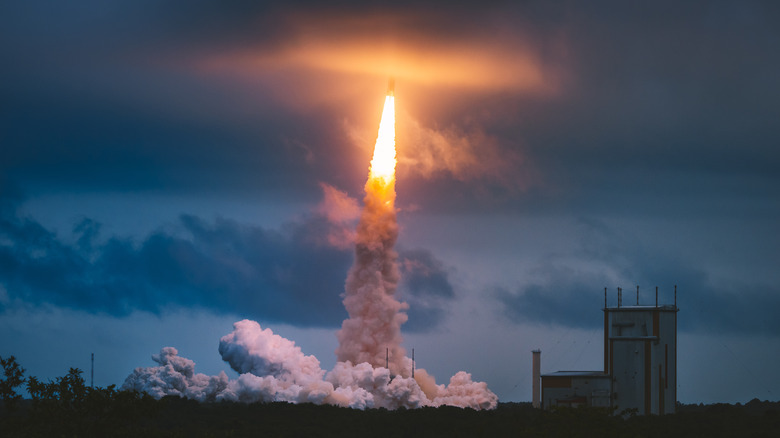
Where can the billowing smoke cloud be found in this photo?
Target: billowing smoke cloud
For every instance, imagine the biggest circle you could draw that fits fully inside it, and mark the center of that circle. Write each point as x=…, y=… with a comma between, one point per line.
x=373, y=331
x=462, y=151
x=340, y=211
x=175, y=375
x=273, y=368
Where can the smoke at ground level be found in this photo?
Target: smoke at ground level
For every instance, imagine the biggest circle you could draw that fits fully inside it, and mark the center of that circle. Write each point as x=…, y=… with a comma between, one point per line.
x=272, y=368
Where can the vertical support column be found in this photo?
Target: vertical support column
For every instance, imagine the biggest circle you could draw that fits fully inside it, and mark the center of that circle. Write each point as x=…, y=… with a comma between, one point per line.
x=648, y=377
x=674, y=363
x=606, y=342
x=661, y=394
x=537, y=378
x=412, y=363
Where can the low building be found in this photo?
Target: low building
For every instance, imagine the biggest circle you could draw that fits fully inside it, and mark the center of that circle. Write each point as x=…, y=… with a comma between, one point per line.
x=640, y=364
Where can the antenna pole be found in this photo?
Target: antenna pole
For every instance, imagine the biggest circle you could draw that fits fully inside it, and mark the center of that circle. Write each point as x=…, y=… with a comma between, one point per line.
x=412, y=363
x=387, y=358
x=92, y=373
x=637, y=294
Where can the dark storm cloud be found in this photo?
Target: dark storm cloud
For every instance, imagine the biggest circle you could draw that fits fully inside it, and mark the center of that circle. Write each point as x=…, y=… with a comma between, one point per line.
x=425, y=285
x=424, y=275
x=562, y=300
x=660, y=109
x=194, y=139
x=293, y=275
x=681, y=92
x=100, y=96
x=224, y=266
x=707, y=305
x=126, y=95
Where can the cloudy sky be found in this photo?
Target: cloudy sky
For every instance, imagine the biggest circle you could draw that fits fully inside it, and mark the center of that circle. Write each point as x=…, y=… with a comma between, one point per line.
x=169, y=167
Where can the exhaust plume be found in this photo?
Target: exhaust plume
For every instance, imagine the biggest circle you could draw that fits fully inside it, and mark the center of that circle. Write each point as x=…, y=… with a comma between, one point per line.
x=272, y=368
x=372, y=333
x=372, y=370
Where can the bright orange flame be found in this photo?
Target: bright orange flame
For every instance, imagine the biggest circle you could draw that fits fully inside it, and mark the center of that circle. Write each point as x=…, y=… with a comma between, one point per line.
x=383, y=163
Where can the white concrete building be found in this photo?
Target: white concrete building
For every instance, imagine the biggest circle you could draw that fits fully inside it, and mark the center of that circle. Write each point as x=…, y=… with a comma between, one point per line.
x=640, y=364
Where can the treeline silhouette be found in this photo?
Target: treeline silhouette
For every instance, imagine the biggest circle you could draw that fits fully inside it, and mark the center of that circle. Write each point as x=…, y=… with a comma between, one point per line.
x=66, y=407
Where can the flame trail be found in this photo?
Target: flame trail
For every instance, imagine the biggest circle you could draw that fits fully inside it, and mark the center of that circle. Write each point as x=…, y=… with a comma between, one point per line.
x=373, y=331
x=273, y=368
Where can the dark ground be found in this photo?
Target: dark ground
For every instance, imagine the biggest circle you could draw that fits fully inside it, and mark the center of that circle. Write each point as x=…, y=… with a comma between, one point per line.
x=66, y=407
x=134, y=415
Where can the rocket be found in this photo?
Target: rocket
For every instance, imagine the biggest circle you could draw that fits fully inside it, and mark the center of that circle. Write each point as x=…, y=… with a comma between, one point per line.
x=391, y=87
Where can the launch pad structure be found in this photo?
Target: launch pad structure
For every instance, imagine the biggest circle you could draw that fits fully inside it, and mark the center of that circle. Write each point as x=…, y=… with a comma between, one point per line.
x=640, y=363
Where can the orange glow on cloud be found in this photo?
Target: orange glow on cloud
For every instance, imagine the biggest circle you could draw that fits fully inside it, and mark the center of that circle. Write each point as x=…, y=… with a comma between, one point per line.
x=394, y=45
x=475, y=66
x=336, y=62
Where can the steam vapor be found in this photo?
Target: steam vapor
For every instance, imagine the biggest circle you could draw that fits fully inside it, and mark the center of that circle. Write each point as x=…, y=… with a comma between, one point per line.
x=372, y=334
x=273, y=368
x=372, y=369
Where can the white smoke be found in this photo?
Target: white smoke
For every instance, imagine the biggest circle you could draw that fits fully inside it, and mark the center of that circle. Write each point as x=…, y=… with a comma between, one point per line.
x=273, y=368
x=372, y=333
x=175, y=376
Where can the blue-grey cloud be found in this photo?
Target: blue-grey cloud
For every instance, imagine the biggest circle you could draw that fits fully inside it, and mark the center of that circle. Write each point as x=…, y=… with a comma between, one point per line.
x=109, y=96
x=660, y=109
x=571, y=296
x=426, y=286
x=568, y=298
x=223, y=267
x=293, y=275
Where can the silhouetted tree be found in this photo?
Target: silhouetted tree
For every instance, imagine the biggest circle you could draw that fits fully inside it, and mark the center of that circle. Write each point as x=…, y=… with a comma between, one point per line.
x=13, y=377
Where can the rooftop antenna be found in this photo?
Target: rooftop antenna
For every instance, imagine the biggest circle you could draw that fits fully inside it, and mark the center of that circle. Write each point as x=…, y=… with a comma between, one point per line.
x=675, y=295
x=92, y=373
x=605, y=297
x=620, y=297
x=536, y=356
x=387, y=358
x=637, y=294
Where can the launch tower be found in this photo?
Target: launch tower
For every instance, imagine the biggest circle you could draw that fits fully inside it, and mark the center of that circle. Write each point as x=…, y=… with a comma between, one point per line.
x=640, y=363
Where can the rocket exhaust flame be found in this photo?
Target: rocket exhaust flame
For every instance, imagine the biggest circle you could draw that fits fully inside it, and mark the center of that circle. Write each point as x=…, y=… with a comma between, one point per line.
x=383, y=162
x=372, y=368
x=375, y=316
